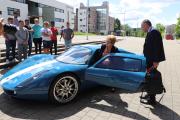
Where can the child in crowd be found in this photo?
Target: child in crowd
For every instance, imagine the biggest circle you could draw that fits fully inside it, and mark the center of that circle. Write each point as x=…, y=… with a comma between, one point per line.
x=46, y=37
x=54, y=37
x=22, y=36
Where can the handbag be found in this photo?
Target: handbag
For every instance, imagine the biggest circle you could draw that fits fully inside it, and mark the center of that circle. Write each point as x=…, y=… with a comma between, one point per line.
x=153, y=82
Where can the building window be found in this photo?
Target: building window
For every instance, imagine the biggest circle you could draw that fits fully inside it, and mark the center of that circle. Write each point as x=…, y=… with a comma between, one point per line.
x=0, y=12
x=59, y=10
x=42, y=5
x=21, y=1
x=80, y=19
x=12, y=10
x=59, y=20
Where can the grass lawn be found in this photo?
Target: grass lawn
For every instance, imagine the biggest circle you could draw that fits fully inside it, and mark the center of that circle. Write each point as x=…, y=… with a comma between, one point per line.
x=84, y=34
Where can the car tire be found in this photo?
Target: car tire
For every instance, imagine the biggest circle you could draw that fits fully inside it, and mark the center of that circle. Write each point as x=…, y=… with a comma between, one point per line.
x=64, y=89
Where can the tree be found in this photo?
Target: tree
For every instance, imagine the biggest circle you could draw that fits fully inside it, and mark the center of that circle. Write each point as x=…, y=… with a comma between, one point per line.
x=178, y=28
x=117, y=25
x=127, y=29
x=160, y=27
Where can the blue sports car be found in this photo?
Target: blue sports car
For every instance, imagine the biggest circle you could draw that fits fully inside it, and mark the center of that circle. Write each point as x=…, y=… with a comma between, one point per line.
x=60, y=78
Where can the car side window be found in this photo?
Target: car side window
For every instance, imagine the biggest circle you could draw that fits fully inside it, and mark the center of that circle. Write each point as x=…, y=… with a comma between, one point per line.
x=120, y=63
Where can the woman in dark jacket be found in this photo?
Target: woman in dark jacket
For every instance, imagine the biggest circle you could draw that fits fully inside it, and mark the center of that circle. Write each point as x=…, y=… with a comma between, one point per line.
x=109, y=46
x=106, y=48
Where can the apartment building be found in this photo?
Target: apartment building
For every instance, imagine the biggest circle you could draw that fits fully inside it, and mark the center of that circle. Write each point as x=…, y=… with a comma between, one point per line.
x=45, y=10
x=99, y=20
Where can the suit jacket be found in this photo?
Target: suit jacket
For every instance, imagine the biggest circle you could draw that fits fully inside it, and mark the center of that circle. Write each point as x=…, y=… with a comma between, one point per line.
x=153, y=47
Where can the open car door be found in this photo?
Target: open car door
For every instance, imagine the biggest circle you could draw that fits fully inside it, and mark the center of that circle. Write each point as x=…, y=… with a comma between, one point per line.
x=126, y=71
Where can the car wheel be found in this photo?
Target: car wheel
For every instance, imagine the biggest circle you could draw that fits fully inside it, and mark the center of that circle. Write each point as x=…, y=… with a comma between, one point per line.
x=64, y=89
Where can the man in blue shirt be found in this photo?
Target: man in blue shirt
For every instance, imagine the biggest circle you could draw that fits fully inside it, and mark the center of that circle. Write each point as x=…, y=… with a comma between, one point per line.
x=37, y=39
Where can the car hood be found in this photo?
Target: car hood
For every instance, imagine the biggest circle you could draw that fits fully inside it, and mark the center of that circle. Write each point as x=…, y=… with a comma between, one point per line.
x=25, y=71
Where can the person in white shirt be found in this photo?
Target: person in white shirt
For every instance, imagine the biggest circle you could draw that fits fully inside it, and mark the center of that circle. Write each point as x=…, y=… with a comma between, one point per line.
x=46, y=37
x=1, y=26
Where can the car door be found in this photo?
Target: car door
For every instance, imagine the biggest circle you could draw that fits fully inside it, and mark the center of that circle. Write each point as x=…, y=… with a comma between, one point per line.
x=126, y=71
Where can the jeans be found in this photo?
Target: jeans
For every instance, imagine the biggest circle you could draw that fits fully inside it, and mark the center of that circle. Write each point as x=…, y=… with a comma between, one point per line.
x=68, y=44
x=37, y=43
x=22, y=49
x=10, y=47
x=30, y=47
x=54, y=43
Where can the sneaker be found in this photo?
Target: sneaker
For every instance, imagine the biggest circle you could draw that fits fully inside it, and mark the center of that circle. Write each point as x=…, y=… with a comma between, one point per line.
x=145, y=97
x=149, y=102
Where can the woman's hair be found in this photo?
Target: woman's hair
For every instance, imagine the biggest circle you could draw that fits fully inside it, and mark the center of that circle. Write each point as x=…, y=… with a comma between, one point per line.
x=46, y=23
x=36, y=19
x=111, y=38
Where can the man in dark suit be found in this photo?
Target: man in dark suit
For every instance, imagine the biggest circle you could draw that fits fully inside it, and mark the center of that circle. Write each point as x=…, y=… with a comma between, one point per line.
x=153, y=51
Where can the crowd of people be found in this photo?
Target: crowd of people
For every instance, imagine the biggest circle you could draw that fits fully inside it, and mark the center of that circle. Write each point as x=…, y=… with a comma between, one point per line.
x=19, y=34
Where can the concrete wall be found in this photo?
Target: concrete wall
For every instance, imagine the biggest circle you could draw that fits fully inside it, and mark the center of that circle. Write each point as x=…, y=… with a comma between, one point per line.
x=68, y=14
x=7, y=3
x=48, y=13
x=111, y=24
x=94, y=20
x=82, y=24
x=34, y=10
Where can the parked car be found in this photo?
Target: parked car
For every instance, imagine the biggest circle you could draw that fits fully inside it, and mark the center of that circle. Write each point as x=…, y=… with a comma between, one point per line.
x=60, y=78
x=169, y=37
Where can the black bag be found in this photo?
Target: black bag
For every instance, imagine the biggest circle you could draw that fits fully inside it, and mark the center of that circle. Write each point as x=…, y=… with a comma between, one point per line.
x=153, y=83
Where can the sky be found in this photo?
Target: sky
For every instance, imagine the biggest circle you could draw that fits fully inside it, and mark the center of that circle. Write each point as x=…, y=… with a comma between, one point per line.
x=158, y=11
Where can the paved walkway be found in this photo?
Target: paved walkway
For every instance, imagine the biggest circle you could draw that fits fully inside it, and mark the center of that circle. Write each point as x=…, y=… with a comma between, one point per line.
x=101, y=104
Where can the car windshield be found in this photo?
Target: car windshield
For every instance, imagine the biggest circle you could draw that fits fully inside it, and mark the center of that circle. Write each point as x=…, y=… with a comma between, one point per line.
x=75, y=55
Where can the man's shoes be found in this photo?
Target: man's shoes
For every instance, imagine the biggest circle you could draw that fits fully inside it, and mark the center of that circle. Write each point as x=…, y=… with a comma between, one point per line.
x=145, y=97
x=149, y=102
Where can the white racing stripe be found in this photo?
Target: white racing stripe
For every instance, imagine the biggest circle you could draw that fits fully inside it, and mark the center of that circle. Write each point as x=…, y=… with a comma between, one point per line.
x=29, y=69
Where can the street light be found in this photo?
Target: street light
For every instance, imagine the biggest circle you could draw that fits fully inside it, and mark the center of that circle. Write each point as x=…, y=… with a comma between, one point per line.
x=125, y=12
x=87, y=19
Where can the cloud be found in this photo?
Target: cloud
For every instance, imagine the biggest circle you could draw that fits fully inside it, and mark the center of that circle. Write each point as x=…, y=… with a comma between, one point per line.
x=177, y=14
x=135, y=10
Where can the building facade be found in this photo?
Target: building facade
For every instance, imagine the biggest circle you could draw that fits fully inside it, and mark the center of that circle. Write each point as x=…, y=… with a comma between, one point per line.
x=82, y=19
x=111, y=24
x=45, y=10
x=99, y=20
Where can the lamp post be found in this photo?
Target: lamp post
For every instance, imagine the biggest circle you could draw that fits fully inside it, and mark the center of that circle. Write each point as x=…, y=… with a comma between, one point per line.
x=87, y=20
